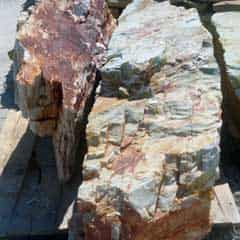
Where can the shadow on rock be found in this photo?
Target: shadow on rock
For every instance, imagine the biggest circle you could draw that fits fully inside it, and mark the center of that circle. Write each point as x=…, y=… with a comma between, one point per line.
x=32, y=201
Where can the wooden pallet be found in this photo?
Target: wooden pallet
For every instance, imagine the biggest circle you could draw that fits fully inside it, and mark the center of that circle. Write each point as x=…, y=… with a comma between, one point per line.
x=29, y=207
x=223, y=209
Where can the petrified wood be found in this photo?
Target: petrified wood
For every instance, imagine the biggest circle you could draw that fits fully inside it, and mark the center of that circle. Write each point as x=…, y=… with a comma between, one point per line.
x=58, y=50
x=153, y=135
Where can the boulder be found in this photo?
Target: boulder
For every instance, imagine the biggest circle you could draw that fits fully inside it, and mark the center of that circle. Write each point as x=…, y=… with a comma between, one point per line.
x=60, y=45
x=153, y=134
x=117, y=6
x=227, y=35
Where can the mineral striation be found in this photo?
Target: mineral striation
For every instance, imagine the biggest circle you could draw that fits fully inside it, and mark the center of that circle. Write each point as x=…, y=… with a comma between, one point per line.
x=228, y=39
x=153, y=134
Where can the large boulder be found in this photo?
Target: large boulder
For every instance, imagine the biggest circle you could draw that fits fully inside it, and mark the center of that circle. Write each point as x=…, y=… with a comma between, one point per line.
x=58, y=50
x=228, y=37
x=153, y=135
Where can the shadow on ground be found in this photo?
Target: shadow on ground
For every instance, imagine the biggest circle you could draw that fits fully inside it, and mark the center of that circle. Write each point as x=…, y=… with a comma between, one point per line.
x=32, y=200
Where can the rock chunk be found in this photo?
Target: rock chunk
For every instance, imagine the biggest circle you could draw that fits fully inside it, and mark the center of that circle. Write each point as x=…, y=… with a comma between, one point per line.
x=152, y=161
x=228, y=37
x=58, y=50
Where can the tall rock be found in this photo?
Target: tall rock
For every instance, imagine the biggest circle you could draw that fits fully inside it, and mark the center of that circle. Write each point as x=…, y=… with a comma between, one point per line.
x=60, y=45
x=227, y=36
x=153, y=134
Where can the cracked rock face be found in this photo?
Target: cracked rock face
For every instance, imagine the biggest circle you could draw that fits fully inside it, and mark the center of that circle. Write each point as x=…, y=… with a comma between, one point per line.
x=58, y=50
x=152, y=161
x=228, y=36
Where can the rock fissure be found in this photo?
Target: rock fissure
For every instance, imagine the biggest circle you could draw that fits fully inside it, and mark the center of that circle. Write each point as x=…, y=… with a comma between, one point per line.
x=230, y=103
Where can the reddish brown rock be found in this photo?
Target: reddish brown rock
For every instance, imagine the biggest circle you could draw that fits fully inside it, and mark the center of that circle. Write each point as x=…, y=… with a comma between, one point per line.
x=103, y=221
x=58, y=50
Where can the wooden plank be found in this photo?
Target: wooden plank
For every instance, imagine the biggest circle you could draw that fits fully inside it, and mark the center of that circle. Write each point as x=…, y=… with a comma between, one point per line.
x=223, y=208
x=16, y=144
x=36, y=207
x=226, y=6
x=44, y=206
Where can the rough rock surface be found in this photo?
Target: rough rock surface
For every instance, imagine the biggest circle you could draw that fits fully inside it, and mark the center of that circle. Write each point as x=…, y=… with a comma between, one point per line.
x=58, y=50
x=228, y=36
x=225, y=28
x=152, y=161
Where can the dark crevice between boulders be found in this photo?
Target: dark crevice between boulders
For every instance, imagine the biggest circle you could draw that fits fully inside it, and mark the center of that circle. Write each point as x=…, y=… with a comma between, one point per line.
x=230, y=104
x=229, y=135
x=83, y=145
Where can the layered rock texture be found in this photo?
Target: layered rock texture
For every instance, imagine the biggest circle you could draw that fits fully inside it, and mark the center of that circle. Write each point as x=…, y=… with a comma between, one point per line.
x=153, y=134
x=60, y=45
x=228, y=38
x=221, y=19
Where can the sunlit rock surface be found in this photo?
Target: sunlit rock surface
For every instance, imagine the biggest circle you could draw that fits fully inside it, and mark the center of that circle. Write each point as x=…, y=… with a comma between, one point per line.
x=152, y=162
x=225, y=25
x=58, y=50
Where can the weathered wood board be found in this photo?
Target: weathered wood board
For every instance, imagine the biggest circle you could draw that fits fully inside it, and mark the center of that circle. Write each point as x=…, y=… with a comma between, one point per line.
x=224, y=209
x=225, y=6
x=31, y=202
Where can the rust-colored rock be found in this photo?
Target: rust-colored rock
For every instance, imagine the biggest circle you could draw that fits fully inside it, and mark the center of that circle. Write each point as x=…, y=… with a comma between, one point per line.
x=104, y=222
x=58, y=50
